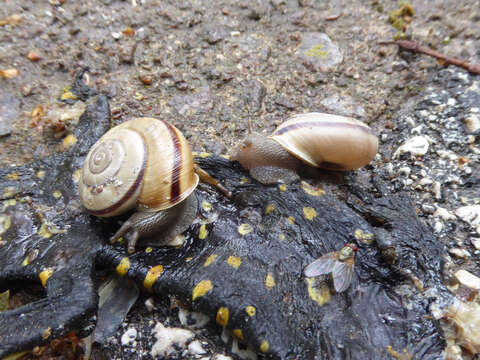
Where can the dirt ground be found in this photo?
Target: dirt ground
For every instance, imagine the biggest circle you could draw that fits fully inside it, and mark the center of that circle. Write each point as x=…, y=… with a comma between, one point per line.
x=209, y=67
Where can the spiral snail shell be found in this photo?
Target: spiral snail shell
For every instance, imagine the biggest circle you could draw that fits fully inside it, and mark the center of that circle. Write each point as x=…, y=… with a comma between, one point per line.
x=144, y=163
x=314, y=139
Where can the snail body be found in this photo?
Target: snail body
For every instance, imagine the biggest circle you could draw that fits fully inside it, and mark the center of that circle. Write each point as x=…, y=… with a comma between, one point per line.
x=311, y=140
x=144, y=163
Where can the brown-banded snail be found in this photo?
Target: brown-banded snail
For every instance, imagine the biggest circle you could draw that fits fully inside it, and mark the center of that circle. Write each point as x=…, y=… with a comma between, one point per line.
x=144, y=163
x=304, y=141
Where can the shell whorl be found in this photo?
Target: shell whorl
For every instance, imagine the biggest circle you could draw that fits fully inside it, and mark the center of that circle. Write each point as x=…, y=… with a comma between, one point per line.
x=327, y=141
x=144, y=163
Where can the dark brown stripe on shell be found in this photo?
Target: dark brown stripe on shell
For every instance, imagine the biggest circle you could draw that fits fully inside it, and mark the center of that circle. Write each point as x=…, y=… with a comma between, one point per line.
x=128, y=194
x=339, y=124
x=177, y=164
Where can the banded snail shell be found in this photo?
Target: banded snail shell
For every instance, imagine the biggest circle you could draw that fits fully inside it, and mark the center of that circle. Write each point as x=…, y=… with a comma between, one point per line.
x=144, y=163
x=328, y=141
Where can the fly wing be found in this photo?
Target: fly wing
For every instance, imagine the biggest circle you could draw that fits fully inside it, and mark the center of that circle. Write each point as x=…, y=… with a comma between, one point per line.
x=323, y=265
x=342, y=274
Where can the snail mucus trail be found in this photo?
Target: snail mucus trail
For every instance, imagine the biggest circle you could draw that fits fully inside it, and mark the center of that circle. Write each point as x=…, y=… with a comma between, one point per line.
x=144, y=163
x=306, y=142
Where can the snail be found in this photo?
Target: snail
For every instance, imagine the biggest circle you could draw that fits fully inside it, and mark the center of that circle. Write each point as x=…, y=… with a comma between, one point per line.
x=144, y=163
x=306, y=141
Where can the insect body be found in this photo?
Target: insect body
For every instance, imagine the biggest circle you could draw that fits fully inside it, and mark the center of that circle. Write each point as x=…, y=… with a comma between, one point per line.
x=339, y=263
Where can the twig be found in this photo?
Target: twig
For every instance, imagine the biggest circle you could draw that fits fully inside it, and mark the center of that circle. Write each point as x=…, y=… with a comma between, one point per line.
x=416, y=47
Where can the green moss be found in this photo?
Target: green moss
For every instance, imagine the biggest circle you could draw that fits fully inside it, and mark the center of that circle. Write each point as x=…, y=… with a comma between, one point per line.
x=316, y=51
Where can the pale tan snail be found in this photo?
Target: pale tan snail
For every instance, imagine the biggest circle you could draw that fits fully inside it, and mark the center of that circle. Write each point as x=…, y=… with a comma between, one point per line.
x=304, y=141
x=144, y=163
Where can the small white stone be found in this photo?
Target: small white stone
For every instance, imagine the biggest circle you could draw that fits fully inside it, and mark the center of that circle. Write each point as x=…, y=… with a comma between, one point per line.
x=167, y=337
x=405, y=171
x=451, y=102
x=150, y=304
x=129, y=336
x=470, y=214
x=196, y=348
x=425, y=181
x=459, y=253
x=437, y=227
x=437, y=190
x=221, y=357
x=476, y=243
x=444, y=214
x=417, y=130
x=416, y=146
x=116, y=35
x=408, y=182
x=429, y=209
x=468, y=279
x=472, y=123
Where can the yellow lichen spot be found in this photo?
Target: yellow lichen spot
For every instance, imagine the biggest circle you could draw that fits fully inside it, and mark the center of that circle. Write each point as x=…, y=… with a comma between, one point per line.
x=244, y=229
x=291, y=220
x=282, y=187
x=269, y=281
x=318, y=292
x=309, y=213
x=281, y=237
x=77, y=174
x=225, y=156
x=13, y=176
x=47, y=333
x=238, y=334
x=364, y=237
x=123, y=266
x=210, y=260
x=152, y=276
x=5, y=222
x=317, y=52
x=57, y=194
x=44, y=231
x=8, y=192
x=269, y=208
x=69, y=140
x=201, y=289
x=251, y=311
x=45, y=275
x=68, y=95
x=188, y=259
x=206, y=205
x=234, y=261
x=244, y=180
x=264, y=346
x=30, y=257
x=312, y=190
x=148, y=250
x=222, y=316
x=40, y=174
x=397, y=355
x=202, y=234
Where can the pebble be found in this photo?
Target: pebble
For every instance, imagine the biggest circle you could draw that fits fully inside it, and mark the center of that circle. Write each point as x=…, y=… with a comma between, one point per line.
x=472, y=123
x=405, y=171
x=150, y=304
x=344, y=105
x=444, y=214
x=459, y=253
x=470, y=214
x=416, y=146
x=428, y=209
x=476, y=243
x=437, y=190
x=319, y=51
x=468, y=279
x=196, y=348
x=129, y=337
x=9, y=111
x=167, y=338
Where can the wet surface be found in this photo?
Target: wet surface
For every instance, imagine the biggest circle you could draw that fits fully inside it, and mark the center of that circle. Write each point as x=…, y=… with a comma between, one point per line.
x=242, y=265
